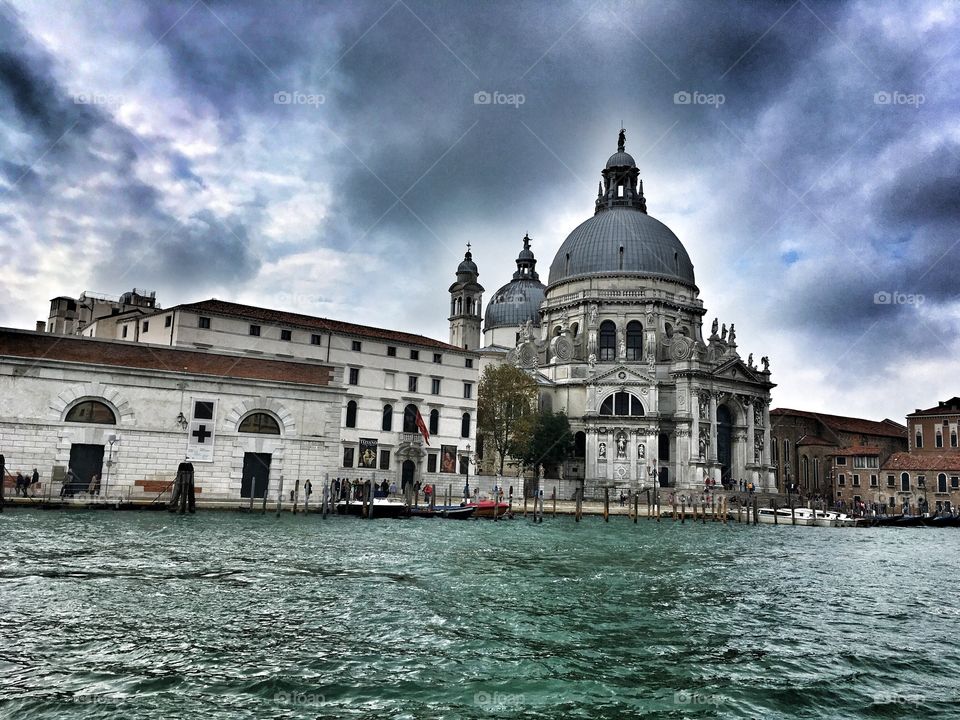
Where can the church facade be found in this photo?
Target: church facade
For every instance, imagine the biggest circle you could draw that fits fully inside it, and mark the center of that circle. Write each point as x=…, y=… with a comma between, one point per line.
x=616, y=340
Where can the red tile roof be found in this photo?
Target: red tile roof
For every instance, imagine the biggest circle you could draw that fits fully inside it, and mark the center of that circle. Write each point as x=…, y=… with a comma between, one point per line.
x=944, y=407
x=932, y=462
x=309, y=322
x=70, y=348
x=814, y=440
x=841, y=423
x=858, y=450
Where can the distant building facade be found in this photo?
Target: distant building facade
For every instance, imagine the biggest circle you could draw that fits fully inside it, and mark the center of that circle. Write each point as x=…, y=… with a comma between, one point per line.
x=927, y=477
x=834, y=456
x=73, y=316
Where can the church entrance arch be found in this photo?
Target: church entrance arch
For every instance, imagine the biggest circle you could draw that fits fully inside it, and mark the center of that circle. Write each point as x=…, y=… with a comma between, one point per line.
x=725, y=442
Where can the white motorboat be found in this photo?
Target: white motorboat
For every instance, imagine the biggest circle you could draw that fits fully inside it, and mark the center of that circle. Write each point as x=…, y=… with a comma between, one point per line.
x=826, y=519
x=784, y=516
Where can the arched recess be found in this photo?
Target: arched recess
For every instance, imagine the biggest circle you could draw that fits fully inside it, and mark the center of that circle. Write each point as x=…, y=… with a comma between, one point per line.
x=259, y=422
x=608, y=341
x=272, y=407
x=90, y=411
x=634, y=340
x=622, y=404
x=111, y=397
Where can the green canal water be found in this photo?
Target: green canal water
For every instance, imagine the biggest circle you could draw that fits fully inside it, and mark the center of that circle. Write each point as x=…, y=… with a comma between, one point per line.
x=221, y=615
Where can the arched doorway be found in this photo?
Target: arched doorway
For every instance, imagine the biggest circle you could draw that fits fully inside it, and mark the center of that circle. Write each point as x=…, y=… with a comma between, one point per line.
x=725, y=442
x=408, y=473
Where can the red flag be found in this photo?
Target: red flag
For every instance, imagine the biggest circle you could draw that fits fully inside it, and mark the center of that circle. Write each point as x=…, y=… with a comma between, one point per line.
x=422, y=427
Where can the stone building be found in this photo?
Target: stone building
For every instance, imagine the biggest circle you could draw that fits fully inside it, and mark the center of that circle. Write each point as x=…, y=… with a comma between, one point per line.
x=618, y=343
x=130, y=413
x=815, y=452
x=389, y=376
x=926, y=477
x=74, y=316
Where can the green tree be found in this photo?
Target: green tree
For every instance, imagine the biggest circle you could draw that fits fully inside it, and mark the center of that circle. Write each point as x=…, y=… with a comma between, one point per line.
x=506, y=400
x=549, y=442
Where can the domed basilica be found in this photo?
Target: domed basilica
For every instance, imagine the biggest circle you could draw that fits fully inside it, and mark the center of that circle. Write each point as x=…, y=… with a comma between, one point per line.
x=616, y=340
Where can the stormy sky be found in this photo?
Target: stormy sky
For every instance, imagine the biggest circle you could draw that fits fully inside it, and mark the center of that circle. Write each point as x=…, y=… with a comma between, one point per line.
x=332, y=159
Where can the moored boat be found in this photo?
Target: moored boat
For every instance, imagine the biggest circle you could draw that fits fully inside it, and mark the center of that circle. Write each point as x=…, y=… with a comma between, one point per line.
x=449, y=512
x=487, y=508
x=382, y=508
x=784, y=516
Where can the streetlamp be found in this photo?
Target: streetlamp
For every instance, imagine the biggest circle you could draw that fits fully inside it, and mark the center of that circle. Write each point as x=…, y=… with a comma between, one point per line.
x=466, y=486
x=112, y=439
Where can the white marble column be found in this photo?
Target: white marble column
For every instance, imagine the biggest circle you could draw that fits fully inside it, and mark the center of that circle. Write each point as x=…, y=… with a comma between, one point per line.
x=712, y=452
x=751, y=443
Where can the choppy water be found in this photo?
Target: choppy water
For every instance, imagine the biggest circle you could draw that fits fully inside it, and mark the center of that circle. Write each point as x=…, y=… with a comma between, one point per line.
x=136, y=615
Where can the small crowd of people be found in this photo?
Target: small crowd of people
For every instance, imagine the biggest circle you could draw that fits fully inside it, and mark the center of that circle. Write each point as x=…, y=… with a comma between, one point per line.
x=26, y=484
x=73, y=484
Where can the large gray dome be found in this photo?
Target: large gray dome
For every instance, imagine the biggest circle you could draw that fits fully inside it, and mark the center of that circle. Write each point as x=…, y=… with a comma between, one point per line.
x=514, y=304
x=649, y=248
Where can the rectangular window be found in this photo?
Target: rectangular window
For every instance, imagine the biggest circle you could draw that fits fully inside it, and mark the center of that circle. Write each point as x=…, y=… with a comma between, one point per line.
x=859, y=461
x=286, y=335
x=255, y=330
x=891, y=481
x=467, y=390
x=918, y=440
x=391, y=351
x=841, y=460
x=348, y=457
x=168, y=321
x=389, y=380
x=939, y=438
x=414, y=354
x=354, y=376
x=412, y=383
x=203, y=323
x=314, y=339
x=873, y=481
x=954, y=482
x=203, y=410
x=432, y=462
x=873, y=462
x=921, y=481
x=123, y=333
x=437, y=358
x=469, y=362
x=355, y=346
x=464, y=469
x=841, y=480
x=856, y=481
x=435, y=386
x=384, y=459
x=146, y=325
x=953, y=438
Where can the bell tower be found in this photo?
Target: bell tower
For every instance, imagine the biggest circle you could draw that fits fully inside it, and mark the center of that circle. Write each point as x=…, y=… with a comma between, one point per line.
x=466, y=300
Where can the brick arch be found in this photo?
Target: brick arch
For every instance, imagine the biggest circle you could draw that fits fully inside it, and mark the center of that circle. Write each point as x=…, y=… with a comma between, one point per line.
x=277, y=409
x=111, y=397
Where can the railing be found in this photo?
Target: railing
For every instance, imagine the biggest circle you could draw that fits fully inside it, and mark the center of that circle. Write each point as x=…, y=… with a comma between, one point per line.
x=413, y=438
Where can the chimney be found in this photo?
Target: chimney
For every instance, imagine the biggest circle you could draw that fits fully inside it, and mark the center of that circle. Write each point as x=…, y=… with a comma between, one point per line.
x=41, y=326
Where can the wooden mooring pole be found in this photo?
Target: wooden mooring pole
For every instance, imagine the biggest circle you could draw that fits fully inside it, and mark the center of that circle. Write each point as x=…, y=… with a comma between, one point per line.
x=279, y=495
x=756, y=520
x=296, y=496
x=606, y=504
x=266, y=489
x=636, y=506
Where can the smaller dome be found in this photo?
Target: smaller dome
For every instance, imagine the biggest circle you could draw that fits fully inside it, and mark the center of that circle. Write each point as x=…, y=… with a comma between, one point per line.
x=468, y=265
x=621, y=159
x=514, y=304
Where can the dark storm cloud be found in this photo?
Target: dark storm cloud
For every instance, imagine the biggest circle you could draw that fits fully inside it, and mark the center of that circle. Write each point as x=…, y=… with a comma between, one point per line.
x=802, y=194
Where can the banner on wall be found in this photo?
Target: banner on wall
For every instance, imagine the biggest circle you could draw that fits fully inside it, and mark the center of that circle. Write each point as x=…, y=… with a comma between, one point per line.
x=448, y=458
x=201, y=432
x=368, y=454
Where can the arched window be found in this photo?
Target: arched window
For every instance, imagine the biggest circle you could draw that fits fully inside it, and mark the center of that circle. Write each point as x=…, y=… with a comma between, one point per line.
x=410, y=419
x=805, y=471
x=608, y=341
x=905, y=482
x=580, y=445
x=941, y=483
x=575, y=329
x=352, y=414
x=622, y=403
x=634, y=340
x=91, y=411
x=434, y=422
x=387, y=423
x=259, y=423
x=465, y=425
